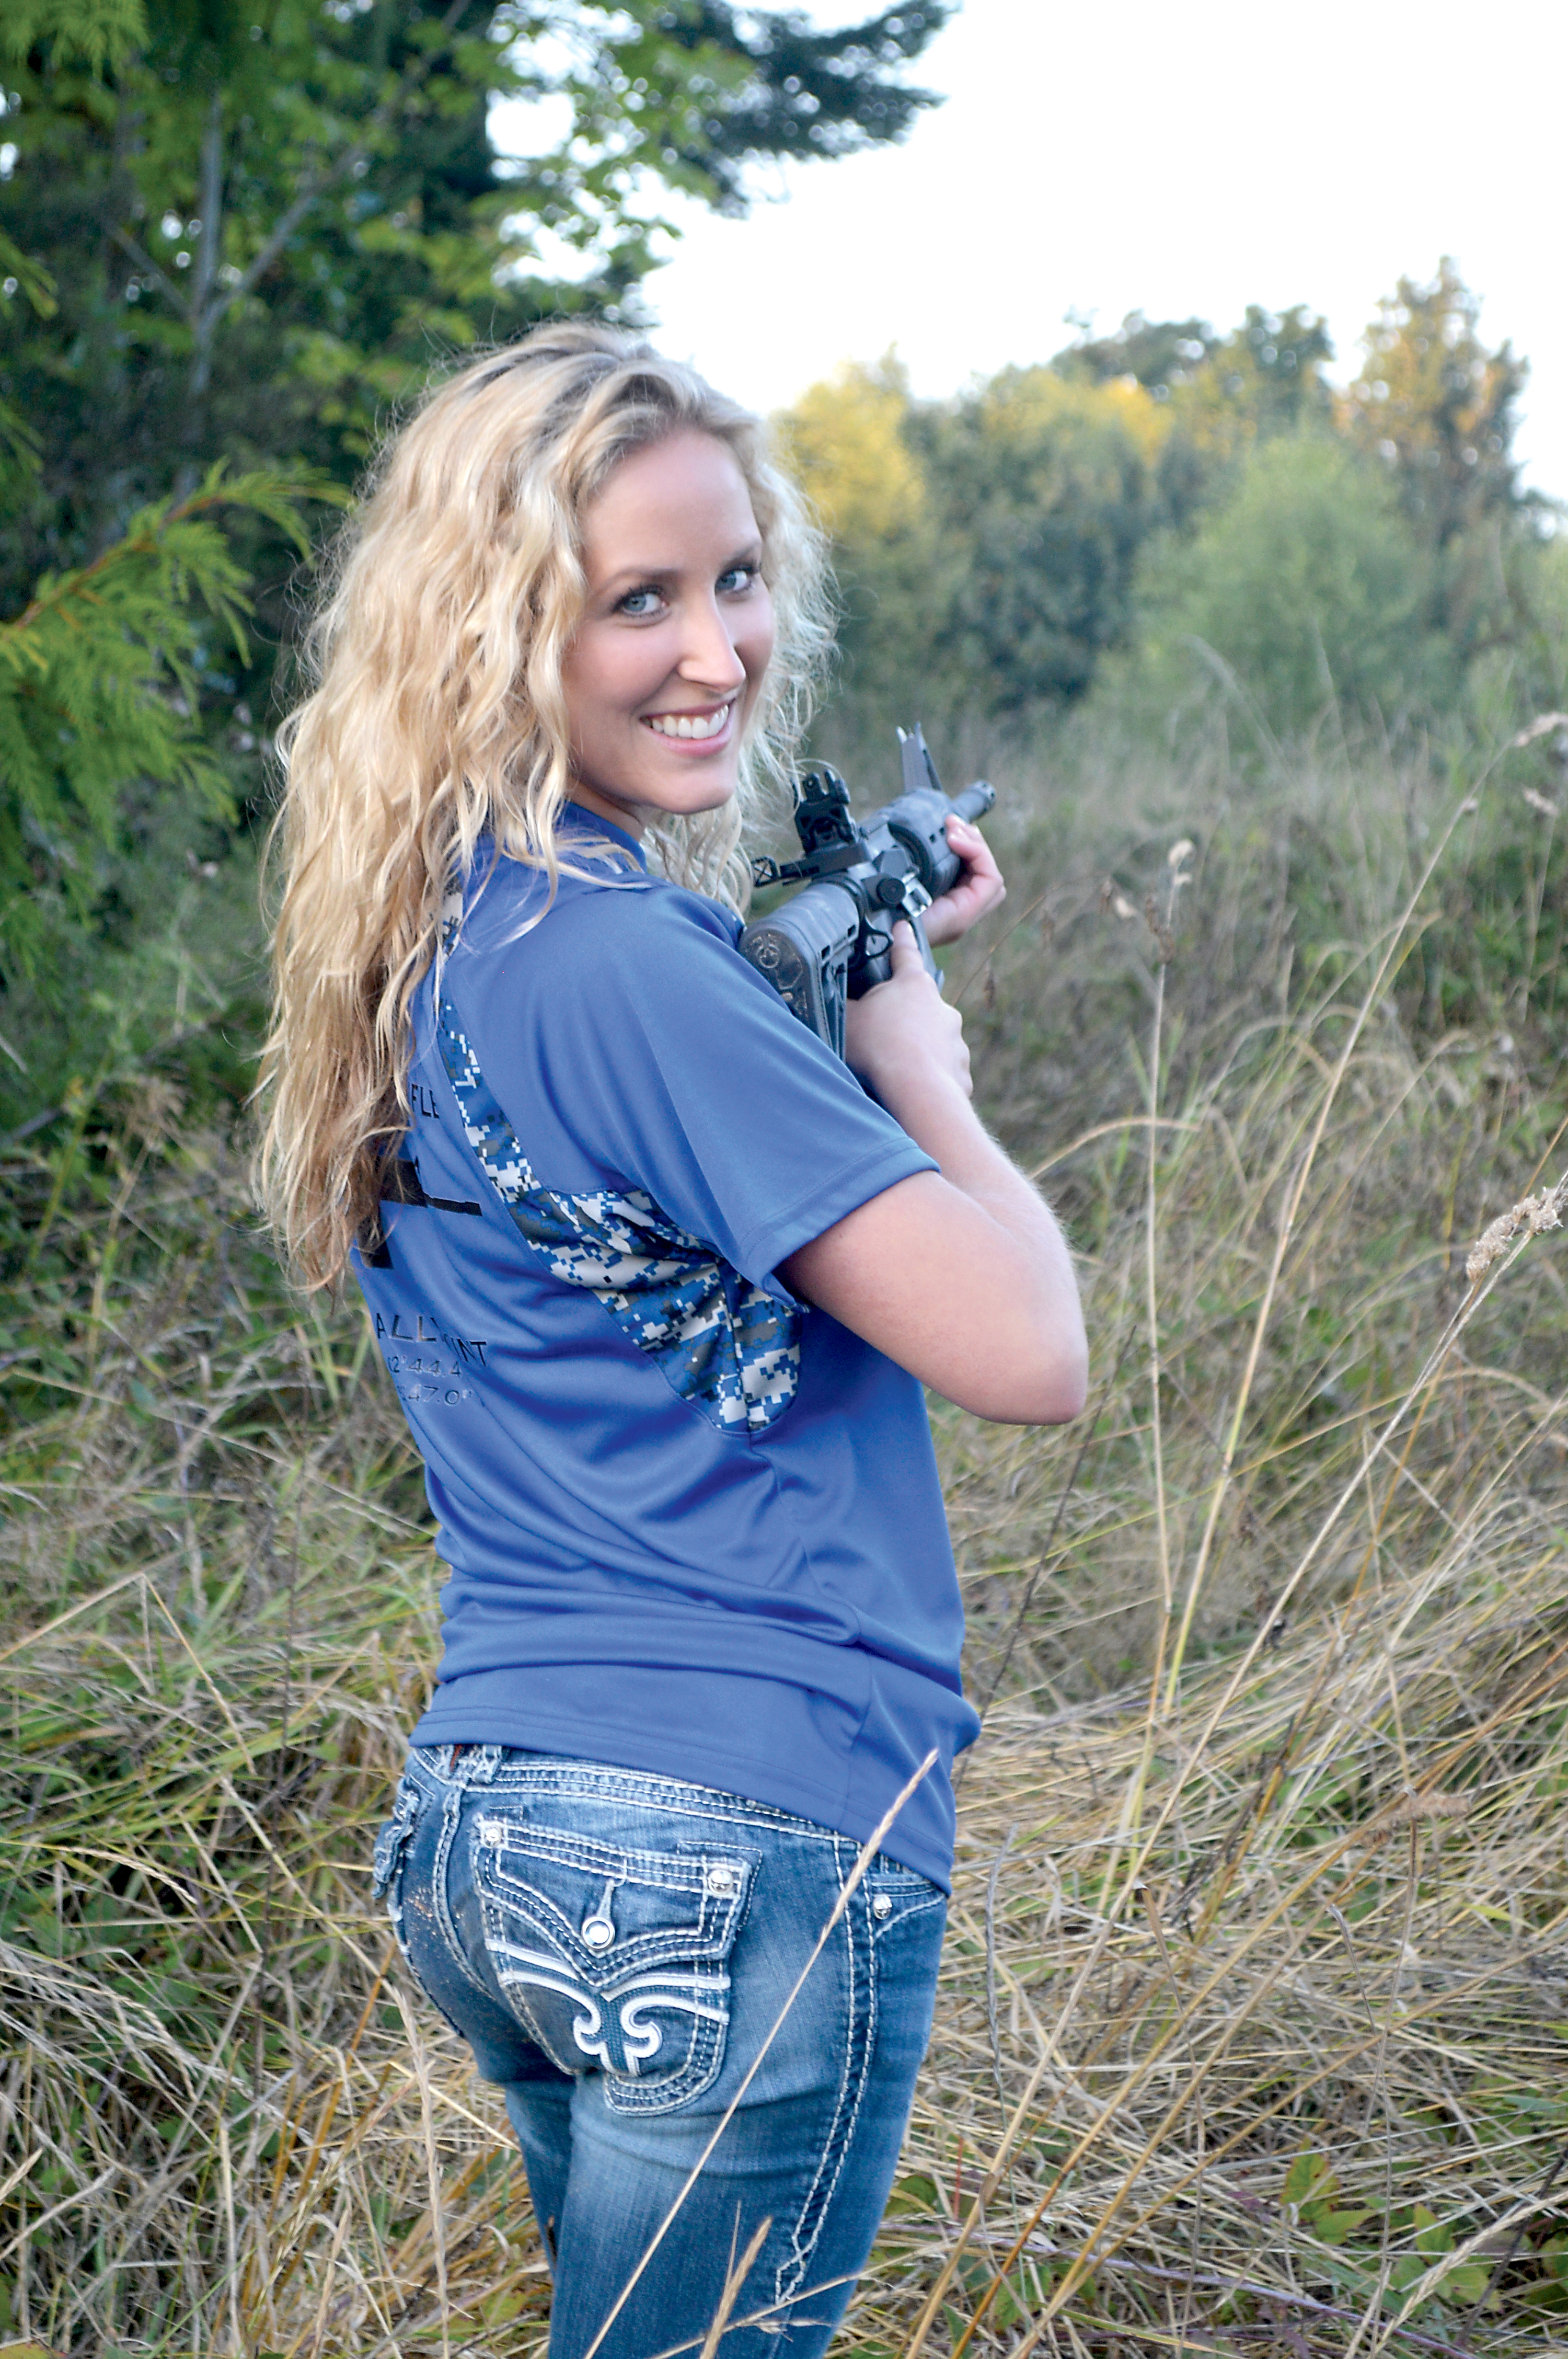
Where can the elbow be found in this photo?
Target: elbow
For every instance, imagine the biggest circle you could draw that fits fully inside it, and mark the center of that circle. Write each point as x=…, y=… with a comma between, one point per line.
x=1053, y=1395
x=1058, y=1398
x=1045, y=1381
x=1066, y=1396
x=1056, y=1376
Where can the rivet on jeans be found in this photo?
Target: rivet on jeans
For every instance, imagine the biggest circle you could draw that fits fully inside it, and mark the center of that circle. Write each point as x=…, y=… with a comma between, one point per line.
x=599, y=1929
x=881, y=1906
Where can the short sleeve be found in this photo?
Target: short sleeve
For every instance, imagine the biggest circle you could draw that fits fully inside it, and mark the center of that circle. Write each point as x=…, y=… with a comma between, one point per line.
x=676, y=1069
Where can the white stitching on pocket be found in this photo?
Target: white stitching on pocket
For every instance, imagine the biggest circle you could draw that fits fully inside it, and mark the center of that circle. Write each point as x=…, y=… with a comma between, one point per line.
x=600, y=2004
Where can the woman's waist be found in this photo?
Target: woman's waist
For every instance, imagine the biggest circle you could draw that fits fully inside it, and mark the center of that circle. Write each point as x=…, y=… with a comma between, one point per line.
x=797, y=1629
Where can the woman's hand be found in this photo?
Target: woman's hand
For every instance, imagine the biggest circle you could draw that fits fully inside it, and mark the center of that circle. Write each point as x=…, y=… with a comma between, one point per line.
x=979, y=890
x=903, y=1035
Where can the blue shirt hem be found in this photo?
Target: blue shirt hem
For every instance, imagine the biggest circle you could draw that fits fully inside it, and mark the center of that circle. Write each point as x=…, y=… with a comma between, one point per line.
x=450, y=1721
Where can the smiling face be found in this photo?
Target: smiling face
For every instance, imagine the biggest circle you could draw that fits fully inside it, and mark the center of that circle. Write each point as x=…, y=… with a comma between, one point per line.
x=668, y=659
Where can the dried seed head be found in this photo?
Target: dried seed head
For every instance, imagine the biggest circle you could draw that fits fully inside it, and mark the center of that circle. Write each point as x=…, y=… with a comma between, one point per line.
x=1542, y=726
x=1528, y=1218
x=1416, y=1807
x=153, y=1109
x=1180, y=853
x=1490, y=1245
x=1541, y=803
x=1546, y=1210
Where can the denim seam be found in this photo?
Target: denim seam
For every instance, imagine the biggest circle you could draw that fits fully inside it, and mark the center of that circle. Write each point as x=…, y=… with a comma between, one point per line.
x=711, y=1930
x=705, y=1942
x=393, y=1902
x=903, y=1916
x=589, y=1853
x=647, y=1790
x=840, y=2136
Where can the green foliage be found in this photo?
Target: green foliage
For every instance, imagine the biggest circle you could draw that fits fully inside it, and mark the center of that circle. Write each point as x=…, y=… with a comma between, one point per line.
x=1048, y=490
x=1303, y=595
x=231, y=242
x=1158, y=353
x=1440, y=411
x=99, y=687
x=986, y=547
x=1437, y=412
x=1163, y=486
x=97, y=33
x=262, y=229
x=1224, y=392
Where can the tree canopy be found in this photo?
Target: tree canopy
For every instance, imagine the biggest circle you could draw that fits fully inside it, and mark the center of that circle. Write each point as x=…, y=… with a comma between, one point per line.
x=263, y=221
x=234, y=236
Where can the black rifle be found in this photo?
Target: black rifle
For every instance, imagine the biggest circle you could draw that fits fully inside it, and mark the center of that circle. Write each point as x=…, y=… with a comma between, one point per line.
x=833, y=940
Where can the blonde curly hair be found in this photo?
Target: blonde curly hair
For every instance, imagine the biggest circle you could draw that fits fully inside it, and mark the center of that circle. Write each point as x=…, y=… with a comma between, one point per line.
x=437, y=719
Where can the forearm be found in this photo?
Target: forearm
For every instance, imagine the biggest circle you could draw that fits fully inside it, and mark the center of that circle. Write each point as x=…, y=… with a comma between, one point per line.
x=939, y=1116
x=963, y=1278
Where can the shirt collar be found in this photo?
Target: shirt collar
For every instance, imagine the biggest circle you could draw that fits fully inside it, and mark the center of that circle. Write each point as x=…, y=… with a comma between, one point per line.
x=575, y=821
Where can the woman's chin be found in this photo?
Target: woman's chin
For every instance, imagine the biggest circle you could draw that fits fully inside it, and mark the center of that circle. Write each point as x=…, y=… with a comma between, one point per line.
x=694, y=794
x=653, y=802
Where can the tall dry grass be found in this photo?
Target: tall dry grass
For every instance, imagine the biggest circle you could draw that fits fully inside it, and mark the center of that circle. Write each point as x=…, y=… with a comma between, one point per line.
x=1251, y=2030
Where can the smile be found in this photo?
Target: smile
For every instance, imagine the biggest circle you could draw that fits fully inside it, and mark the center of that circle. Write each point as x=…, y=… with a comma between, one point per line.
x=690, y=724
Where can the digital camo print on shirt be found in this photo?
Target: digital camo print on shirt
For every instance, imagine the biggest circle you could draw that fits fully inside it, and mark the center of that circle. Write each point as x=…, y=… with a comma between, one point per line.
x=729, y=1347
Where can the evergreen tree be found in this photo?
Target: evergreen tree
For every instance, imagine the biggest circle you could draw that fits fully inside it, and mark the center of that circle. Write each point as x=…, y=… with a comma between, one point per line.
x=232, y=233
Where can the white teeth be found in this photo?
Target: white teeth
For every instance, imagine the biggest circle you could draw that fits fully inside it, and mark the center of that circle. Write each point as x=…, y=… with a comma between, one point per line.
x=690, y=724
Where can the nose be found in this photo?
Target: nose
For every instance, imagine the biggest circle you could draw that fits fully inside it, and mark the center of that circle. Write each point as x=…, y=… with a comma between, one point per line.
x=709, y=657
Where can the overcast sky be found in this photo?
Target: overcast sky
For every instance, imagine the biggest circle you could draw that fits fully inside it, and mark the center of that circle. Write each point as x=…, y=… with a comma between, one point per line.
x=1185, y=160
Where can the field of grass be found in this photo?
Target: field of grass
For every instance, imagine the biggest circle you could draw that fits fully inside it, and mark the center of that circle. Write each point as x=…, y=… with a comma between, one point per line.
x=1254, y=2025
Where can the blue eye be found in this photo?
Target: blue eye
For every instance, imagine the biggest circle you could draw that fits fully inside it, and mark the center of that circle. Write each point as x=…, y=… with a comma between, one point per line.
x=738, y=577
x=638, y=602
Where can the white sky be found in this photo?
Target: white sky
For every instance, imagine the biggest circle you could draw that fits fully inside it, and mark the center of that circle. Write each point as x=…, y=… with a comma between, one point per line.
x=1186, y=160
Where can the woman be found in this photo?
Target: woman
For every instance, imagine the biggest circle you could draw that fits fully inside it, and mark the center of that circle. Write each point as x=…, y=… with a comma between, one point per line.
x=657, y=1281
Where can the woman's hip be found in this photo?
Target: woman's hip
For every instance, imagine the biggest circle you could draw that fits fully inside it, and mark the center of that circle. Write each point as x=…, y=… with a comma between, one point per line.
x=699, y=1970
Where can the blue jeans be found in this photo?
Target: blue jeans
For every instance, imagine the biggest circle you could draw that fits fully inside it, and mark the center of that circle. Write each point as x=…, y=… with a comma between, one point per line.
x=615, y=1948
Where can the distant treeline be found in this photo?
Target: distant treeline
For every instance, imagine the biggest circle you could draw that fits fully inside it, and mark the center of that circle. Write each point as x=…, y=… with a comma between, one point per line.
x=1209, y=513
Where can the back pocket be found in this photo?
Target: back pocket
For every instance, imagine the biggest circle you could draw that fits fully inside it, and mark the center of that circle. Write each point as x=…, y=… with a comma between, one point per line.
x=612, y=1959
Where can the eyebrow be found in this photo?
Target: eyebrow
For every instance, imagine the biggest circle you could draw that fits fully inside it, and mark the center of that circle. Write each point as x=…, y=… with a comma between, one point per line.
x=750, y=555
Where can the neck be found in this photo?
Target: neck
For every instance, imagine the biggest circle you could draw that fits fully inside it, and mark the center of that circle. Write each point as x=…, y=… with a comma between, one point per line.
x=629, y=819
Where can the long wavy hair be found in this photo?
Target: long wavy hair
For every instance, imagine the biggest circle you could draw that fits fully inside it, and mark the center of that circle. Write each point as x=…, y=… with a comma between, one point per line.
x=437, y=718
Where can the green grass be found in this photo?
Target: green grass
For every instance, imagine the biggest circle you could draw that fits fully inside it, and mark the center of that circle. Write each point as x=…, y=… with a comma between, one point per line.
x=1252, y=2035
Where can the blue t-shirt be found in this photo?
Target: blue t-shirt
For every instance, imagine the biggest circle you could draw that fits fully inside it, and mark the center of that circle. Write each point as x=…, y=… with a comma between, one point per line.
x=694, y=1526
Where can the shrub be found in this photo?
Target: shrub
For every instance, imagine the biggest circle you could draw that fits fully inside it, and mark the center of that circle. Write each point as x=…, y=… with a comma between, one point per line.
x=1302, y=597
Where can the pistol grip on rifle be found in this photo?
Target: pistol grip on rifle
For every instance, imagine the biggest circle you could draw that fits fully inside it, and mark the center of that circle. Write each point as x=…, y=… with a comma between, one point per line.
x=877, y=967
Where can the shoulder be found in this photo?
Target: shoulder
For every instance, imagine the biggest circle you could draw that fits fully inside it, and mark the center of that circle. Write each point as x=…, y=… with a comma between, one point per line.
x=624, y=948
x=643, y=910
x=512, y=903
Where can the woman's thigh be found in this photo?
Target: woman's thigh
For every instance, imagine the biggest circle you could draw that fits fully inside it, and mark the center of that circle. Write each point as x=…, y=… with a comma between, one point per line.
x=622, y=1950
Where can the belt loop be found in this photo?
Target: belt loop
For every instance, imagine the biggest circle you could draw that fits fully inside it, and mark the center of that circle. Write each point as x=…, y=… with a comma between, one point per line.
x=479, y=1764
